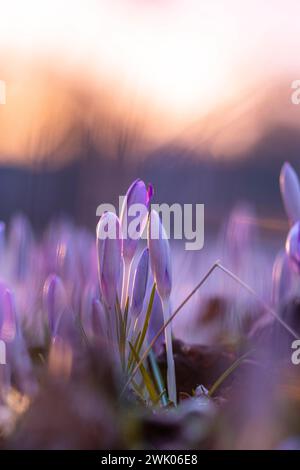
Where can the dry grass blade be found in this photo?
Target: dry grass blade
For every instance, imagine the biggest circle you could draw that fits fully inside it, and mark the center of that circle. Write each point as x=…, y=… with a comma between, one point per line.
x=249, y=289
x=227, y=372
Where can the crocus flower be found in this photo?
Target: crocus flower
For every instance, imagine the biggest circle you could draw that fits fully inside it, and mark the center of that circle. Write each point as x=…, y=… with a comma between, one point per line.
x=92, y=313
x=133, y=219
x=140, y=284
x=160, y=261
x=281, y=278
x=7, y=314
x=20, y=244
x=2, y=238
x=55, y=301
x=290, y=191
x=109, y=247
x=60, y=359
x=241, y=234
x=292, y=245
x=18, y=359
x=97, y=318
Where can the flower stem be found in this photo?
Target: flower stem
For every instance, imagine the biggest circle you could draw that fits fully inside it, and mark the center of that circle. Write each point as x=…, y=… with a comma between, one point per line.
x=171, y=379
x=158, y=378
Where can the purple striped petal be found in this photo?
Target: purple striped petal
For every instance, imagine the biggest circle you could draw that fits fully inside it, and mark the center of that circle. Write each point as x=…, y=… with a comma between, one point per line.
x=55, y=301
x=109, y=248
x=140, y=284
x=8, y=321
x=281, y=278
x=290, y=191
x=160, y=259
x=293, y=245
x=97, y=318
x=136, y=194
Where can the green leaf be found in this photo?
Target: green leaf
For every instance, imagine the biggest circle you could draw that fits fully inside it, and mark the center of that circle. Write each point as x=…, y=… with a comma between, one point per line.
x=146, y=377
x=121, y=333
x=138, y=390
x=126, y=313
x=131, y=358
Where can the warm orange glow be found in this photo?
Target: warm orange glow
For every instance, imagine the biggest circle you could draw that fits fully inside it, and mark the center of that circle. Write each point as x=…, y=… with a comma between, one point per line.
x=177, y=67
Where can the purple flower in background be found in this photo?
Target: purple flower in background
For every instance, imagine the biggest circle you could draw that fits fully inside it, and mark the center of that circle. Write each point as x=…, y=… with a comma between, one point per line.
x=290, y=191
x=241, y=235
x=140, y=284
x=97, y=319
x=293, y=245
x=281, y=278
x=20, y=245
x=8, y=327
x=92, y=313
x=109, y=250
x=55, y=301
x=18, y=359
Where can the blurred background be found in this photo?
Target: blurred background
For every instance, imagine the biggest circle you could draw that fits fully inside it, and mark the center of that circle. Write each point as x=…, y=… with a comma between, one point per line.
x=192, y=95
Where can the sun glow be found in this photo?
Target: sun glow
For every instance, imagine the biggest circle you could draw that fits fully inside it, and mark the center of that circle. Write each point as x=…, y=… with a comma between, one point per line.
x=166, y=63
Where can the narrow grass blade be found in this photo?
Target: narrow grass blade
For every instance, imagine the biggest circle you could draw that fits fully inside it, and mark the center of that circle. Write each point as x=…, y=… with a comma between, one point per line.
x=146, y=377
x=227, y=372
x=131, y=358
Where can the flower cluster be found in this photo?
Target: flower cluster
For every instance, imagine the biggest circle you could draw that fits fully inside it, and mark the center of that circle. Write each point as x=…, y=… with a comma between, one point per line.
x=63, y=290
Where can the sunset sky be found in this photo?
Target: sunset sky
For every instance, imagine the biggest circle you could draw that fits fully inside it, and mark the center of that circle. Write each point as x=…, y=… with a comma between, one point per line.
x=213, y=74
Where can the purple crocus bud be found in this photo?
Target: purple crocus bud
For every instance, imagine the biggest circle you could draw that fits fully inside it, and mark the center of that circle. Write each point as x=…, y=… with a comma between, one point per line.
x=292, y=245
x=55, y=301
x=290, y=191
x=89, y=293
x=109, y=248
x=140, y=284
x=20, y=244
x=2, y=238
x=97, y=319
x=92, y=313
x=21, y=365
x=18, y=359
x=281, y=278
x=139, y=196
x=8, y=319
x=160, y=259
